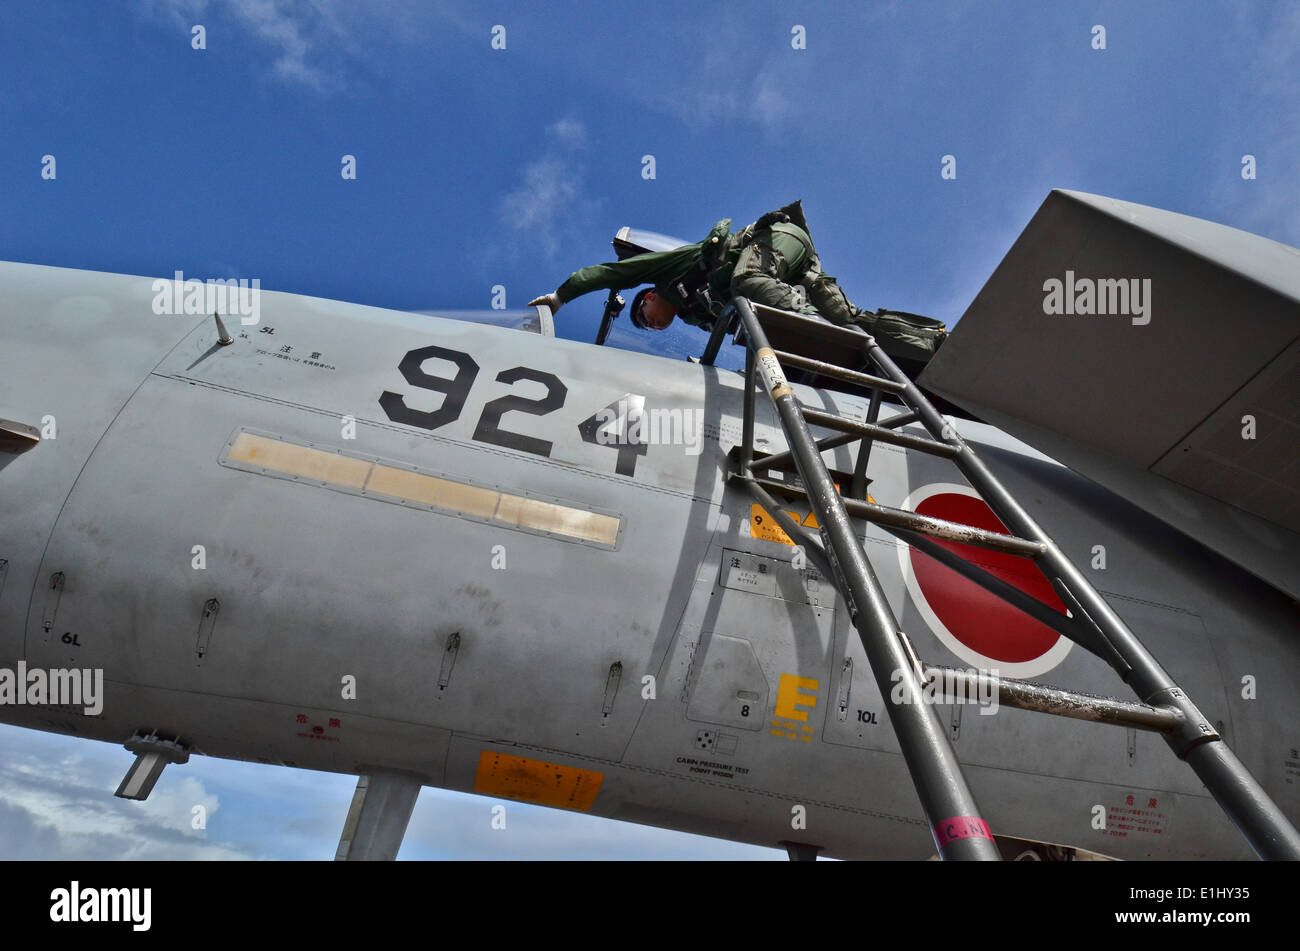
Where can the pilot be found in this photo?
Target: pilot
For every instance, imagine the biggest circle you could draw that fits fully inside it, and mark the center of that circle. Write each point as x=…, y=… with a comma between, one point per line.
x=772, y=262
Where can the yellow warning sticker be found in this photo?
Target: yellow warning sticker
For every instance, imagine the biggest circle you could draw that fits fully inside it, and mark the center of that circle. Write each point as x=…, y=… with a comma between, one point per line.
x=536, y=781
x=763, y=526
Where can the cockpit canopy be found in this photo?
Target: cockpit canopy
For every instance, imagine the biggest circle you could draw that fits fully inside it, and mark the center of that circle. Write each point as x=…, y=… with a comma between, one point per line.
x=633, y=241
x=533, y=320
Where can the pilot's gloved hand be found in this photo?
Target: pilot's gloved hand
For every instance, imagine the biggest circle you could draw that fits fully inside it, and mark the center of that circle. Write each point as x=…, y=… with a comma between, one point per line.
x=551, y=300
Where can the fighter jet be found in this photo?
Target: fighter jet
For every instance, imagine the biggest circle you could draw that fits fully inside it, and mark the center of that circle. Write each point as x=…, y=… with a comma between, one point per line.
x=815, y=605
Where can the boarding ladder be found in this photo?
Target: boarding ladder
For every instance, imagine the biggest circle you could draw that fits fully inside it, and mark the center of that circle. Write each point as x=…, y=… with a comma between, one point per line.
x=843, y=353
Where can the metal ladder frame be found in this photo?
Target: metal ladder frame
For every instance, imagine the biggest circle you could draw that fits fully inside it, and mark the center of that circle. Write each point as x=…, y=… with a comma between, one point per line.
x=949, y=807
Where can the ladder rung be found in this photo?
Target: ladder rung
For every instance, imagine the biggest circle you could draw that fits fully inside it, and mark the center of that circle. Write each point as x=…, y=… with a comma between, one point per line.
x=870, y=430
x=782, y=459
x=925, y=524
x=902, y=419
x=837, y=372
x=1041, y=698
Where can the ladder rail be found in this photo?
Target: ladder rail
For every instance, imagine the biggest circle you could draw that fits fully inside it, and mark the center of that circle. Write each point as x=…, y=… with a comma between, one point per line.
x=958, y=830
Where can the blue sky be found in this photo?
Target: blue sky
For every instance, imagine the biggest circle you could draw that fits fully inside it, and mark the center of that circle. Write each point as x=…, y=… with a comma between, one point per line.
x=478, y=167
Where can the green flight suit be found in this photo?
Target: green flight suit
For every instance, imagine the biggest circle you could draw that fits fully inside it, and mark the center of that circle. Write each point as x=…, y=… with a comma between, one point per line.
x=769, y=263
x=668, y=271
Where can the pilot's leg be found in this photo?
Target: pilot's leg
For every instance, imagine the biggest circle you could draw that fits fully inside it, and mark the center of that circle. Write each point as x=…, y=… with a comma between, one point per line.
x=763, y=269
x=914, y=338
x=829, y=298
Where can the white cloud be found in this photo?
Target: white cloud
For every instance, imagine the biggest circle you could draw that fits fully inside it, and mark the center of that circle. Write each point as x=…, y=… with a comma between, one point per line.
x=770, y=105
x=294, y=34
x=719, y=73
x=550, y=206
x=273, y=23
x=314, y=43
x=722, y=88
x=56, y=802
x=537, y=205
x=569, y=131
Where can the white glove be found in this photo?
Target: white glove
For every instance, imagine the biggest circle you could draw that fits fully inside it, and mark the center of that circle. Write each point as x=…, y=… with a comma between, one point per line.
x=551, y=300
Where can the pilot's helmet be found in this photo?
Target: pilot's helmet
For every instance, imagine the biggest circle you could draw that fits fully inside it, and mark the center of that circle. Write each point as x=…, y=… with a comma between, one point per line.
x=637, y=319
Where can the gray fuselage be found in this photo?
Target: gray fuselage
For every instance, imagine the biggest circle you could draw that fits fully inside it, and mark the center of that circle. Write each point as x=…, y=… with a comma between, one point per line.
x=457, y=581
